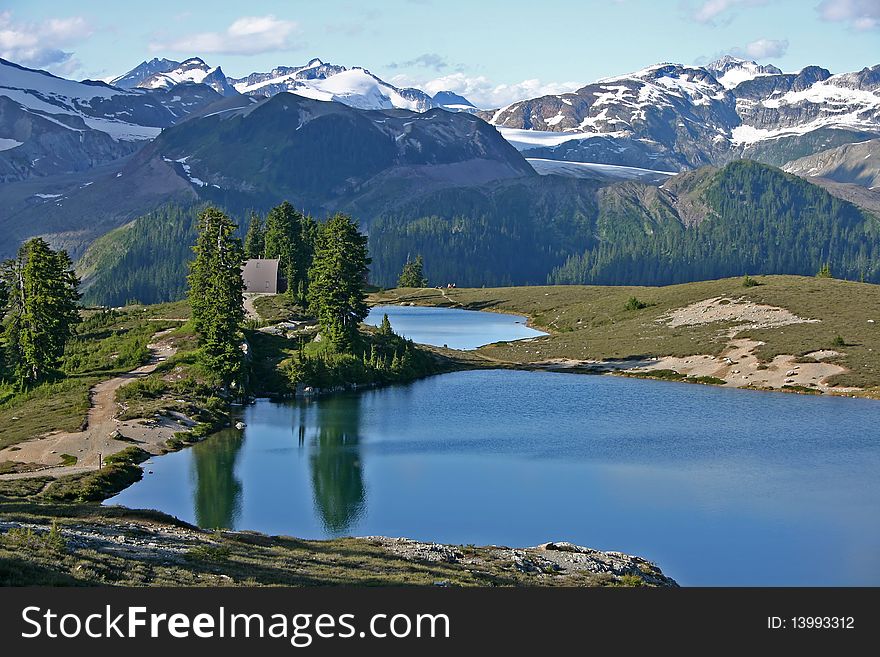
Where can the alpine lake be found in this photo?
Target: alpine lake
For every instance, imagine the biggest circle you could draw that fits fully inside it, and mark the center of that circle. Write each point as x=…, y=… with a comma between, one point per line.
x=720, y=487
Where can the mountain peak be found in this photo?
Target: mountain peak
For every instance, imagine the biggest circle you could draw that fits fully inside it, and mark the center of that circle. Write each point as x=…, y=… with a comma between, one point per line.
x=726, y=61
x=731, y=71
x=450, y=99
x=193, y=62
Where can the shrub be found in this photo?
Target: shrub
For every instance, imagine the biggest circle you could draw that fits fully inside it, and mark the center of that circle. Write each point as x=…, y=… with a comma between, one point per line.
x=129, y=456
x=708, y=380
x=666, y=375
x=824, y=271
x=133, y=352
x=148, y=388
x=634, y=304
x=838, y=342
x=210, y=553
x=26, y=537
x=630, y=580
x=748, y=281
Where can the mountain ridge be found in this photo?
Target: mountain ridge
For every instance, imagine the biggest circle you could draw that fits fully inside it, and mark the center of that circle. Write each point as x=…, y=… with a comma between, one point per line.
x=355, y=86
x=684, y=117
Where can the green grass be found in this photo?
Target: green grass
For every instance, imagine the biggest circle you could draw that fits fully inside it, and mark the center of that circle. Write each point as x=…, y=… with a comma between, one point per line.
x=592, y=322
x=129, y=456
x=44, y=555
x=60, y=406
x=67, y=459
x=93, y=486
x=106, y=343
x=278, y=308
x=15, y=488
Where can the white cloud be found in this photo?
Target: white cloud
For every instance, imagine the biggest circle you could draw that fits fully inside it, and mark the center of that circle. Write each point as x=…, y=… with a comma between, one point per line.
x=248, y=35
x=42, y=44
x=862, y=15
x=428, y=60
x=764, y=49
x=760, y=49
x=484, y=93
x=709, y=10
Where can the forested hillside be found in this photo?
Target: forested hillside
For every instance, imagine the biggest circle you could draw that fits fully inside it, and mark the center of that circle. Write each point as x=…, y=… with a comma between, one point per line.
x=144, y=261
x=744, y=218
x=754, y=219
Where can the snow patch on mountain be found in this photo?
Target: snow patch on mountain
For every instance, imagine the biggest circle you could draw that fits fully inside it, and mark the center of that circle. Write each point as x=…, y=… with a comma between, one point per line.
x=585, y=170
x=9, y=144
x=524, y=140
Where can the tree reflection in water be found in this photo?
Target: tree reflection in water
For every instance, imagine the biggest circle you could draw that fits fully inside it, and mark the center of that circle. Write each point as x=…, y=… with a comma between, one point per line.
x=335, y=462
x=217, y=490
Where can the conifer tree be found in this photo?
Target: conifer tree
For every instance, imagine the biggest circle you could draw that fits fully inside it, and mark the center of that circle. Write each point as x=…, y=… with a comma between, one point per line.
x=255, y=240
x=42, y=296
x=336, y=281
x=385, y=326
x=413, y=274
x=215, y=295
x=285, y=239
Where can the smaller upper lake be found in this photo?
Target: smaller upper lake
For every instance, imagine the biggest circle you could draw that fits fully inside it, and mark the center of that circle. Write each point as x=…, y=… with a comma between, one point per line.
x=451, y=327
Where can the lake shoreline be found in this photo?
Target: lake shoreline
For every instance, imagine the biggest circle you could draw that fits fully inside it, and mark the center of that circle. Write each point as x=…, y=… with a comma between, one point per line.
x=131, y=547
x=736, y=365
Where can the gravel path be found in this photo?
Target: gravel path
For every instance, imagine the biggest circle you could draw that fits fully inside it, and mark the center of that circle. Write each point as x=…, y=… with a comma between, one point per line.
x=101, y=436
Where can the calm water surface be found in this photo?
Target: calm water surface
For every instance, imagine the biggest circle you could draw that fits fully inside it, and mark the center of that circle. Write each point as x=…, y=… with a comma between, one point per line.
x=719, y=486
x=456, y=329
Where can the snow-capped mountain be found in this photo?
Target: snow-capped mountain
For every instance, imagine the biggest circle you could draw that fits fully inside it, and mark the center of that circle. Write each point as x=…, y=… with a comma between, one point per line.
x=279, y=79
x=355, y=87
x=680, y=117
x=50, y=125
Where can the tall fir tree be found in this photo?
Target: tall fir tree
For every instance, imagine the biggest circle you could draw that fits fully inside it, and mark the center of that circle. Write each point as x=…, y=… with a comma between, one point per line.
x=42, y=298
x=215, y=296
x=284, y=241
x=304, y=255
x=255, y=240
x=413, y=274
x=336, y=281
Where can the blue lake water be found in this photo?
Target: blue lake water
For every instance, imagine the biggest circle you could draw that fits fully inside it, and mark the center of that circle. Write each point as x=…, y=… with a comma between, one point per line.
x=718, y=486
x=456, y=329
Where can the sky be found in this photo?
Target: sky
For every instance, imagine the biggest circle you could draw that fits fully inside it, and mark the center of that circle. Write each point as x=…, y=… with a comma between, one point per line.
x=492, y=52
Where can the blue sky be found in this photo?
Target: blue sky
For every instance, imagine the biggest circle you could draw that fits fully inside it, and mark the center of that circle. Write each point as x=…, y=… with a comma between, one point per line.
x=494, y=52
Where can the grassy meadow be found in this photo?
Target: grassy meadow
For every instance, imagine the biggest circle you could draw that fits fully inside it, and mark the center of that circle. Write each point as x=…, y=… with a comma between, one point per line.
x=599, y=322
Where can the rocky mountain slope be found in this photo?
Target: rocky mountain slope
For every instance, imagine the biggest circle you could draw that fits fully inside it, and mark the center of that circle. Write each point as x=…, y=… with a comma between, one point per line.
x=316, y=154
x=857, y=163
x=50, y=125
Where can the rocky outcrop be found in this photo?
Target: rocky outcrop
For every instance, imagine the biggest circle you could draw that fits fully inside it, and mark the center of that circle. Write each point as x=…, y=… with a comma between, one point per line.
x=543, y=562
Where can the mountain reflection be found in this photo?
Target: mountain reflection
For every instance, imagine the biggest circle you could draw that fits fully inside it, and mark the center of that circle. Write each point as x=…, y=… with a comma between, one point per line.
x=217, y=490
x=335, y=462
